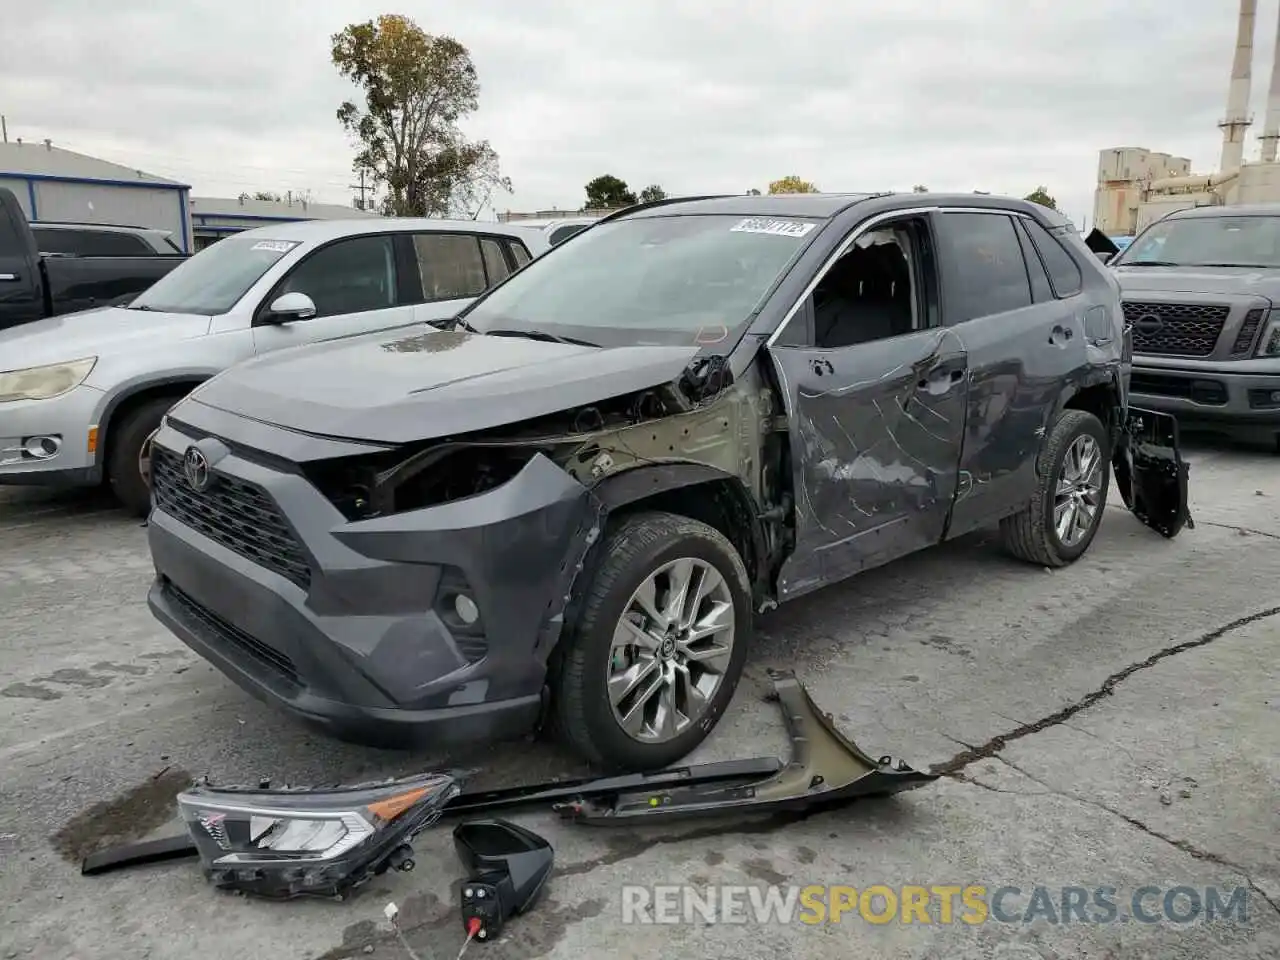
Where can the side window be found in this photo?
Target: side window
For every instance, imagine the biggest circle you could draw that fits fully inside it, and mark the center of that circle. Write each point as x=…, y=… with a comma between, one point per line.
x=876, y=290
x=495, y=261
x=989, y=275
x=1062, y=268
x=1041, y=290
x=350, y=276
x=450, y=265
x=519, y=252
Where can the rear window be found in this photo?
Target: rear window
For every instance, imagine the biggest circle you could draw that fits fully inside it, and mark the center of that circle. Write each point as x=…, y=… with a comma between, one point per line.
x=90, y=243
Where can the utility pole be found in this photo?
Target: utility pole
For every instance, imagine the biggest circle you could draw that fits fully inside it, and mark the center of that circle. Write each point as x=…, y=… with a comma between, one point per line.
x=4, y=129
x=360, y=204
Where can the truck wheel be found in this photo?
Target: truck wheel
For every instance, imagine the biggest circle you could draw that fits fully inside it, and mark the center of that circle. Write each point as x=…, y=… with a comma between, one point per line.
x=1058, y=525
x=658, y=646
x=125, y=461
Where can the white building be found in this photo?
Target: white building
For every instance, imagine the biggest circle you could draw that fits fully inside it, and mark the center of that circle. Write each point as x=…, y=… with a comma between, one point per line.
x=53, y=184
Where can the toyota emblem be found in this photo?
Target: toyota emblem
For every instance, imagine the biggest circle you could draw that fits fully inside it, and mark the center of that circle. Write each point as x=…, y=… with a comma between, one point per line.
x=1148, y=323
x=195, y=467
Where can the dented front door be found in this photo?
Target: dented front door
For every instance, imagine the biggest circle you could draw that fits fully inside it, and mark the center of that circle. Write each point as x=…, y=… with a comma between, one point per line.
x=875, y=435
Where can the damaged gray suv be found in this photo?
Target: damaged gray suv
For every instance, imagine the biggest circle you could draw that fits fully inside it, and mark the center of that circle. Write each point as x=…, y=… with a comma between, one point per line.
x=566, y=505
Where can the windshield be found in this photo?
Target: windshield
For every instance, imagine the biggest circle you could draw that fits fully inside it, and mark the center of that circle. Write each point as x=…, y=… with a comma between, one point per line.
x=1207, y=242
x=215, y=279
x=648, y=281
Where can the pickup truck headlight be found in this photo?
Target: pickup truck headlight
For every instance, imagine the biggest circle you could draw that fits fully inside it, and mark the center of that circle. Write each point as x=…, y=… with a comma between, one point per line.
x=44, y=383
x=1269, y=342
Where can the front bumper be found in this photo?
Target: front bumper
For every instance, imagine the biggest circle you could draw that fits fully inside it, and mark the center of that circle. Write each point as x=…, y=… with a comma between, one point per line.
x=1242, y=396
x=68, y=418
x=350, y=625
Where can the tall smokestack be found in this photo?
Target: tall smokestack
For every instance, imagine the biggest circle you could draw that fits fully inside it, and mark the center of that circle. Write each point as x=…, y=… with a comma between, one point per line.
x=1237, y=119
x=1271, y=127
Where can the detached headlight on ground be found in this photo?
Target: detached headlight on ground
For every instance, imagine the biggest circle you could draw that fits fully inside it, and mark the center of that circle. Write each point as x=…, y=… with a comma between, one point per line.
x=44, y=383
x=295, y=842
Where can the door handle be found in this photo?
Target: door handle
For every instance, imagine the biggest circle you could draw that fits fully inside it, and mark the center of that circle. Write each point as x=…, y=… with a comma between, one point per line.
x=941, y=376
x=11, y=277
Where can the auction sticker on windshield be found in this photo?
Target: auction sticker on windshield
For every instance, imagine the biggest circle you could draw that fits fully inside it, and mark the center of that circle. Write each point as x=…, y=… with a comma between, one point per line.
x=275, y=246
x=779, y=228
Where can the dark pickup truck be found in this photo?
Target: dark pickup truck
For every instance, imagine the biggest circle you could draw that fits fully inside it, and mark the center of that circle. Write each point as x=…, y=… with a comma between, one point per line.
x=1201, y=290
x=35, y=285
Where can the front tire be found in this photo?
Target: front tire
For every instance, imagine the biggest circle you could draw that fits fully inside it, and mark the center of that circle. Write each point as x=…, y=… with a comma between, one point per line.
x=644, y=677
x=1059, y=524
x=128, y=470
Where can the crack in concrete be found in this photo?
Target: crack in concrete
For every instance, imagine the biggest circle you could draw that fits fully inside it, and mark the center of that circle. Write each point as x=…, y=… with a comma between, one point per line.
x=1249, y=530
x=1186, y=846
x=993, y=746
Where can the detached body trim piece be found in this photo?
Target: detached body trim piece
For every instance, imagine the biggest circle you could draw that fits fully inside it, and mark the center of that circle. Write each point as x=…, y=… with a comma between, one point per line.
x=825, y=768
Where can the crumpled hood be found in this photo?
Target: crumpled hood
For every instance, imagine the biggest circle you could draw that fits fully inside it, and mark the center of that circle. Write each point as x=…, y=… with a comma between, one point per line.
x=421, y=383
x=1226, y=281
x=92, y=333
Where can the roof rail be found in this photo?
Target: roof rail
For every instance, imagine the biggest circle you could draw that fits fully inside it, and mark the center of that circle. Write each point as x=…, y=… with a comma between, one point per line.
x=665, y=201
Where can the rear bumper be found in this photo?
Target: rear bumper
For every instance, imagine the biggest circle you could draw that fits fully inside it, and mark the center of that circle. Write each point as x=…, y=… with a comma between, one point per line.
x=1212, y=394
x=361, y=634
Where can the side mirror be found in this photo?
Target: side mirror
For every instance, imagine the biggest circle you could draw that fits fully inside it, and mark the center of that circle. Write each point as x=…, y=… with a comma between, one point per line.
x=289, y=307
x=507, y=867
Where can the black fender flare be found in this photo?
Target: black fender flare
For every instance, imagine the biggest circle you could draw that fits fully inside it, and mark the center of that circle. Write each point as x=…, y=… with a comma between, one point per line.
x=190, y=381
x=638, y=483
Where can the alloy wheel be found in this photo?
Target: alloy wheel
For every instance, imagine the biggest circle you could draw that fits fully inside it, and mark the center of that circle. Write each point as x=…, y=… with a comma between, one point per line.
x=671, y=649
x=1078, y=493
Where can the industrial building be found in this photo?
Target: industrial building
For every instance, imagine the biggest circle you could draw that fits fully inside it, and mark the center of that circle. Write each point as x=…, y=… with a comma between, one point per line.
x=1137, y=186
x=213, y=218
x=53, y=184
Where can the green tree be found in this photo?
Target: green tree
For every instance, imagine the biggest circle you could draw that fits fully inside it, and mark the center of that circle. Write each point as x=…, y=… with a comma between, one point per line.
x=416, y=88
x=1041, y=196
x=919, y=188
x=262, y=195
x=753, y=192
x=651, y=193
x=792, y=184
x=607, y=192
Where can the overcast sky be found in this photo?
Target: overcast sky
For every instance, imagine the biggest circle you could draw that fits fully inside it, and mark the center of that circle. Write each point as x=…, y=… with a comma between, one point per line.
x=698, y=95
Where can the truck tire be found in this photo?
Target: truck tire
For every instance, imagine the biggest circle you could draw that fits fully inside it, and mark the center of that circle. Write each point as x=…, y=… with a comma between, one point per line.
x=125, y=443
x=1059, y=524
x=641, y=560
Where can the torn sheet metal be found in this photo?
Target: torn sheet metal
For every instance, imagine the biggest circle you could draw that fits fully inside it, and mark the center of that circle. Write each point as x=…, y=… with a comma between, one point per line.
x=1150, y=472
x=825, y=768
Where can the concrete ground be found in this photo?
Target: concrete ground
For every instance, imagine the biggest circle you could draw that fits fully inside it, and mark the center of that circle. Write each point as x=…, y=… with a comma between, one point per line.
x=1113, y=724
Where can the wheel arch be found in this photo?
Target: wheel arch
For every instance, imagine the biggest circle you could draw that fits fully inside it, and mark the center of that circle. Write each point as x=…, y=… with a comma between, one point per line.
x=700, y=492
x=128, y=399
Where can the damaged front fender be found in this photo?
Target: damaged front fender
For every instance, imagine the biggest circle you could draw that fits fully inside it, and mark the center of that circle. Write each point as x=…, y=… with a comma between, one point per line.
x=1150, y=471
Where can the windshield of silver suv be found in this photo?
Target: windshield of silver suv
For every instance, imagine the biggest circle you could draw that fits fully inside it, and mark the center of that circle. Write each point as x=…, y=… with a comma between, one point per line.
x=214, y=280
x=647, y=281
x=1206, y=242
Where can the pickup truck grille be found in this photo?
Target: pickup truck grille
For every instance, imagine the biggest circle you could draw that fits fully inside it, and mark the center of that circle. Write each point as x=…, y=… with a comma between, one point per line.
x=233, y=512
x=1185, y=329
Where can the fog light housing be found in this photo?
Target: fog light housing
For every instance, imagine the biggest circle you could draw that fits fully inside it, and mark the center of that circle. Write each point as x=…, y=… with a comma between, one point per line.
x=41, y=448
x=466, y=609
x=287, y=843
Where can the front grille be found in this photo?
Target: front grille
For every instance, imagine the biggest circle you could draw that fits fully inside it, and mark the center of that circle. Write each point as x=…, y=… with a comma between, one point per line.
x=233, y=512
x=213, y=628
x=1248, y=330
x=1186, y=330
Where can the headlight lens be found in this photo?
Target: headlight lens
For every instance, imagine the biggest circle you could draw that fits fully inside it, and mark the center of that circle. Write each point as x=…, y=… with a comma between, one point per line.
x=291, y=842
x=44, y=383
x=1269, y=342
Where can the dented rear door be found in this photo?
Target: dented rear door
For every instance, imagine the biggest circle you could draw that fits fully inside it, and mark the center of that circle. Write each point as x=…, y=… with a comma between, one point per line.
x=875, y=433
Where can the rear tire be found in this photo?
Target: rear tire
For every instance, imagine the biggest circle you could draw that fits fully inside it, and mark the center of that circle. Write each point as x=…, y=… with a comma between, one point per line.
x=1052, y=529
x=649, y=552
x=127, y=442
